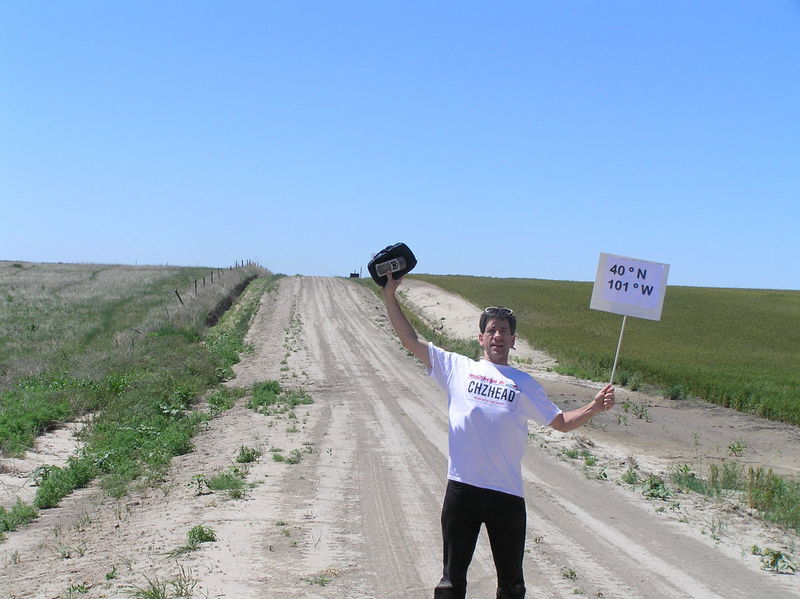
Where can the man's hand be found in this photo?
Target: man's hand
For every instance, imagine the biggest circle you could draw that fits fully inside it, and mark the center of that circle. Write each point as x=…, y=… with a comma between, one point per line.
x=391, y=284
x=604, y=400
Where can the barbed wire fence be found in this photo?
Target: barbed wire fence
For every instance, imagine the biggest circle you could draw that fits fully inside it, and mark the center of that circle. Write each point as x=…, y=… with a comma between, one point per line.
x=191, y=306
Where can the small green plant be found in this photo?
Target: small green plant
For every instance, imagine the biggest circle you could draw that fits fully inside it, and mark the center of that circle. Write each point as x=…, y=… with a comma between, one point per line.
x=231, y=482
x=201, y=534
x=184, y=583
x=320, y=580
x=76, y=589
x=774, y=560
x=640, y=411
x=654, y=488
x=569, y=574
x=247, y=455
x=775, y=497
x=570, y=453
x=154, y=589
x=295, y=457
x=224, y=399
x=194, y=538
x=736, y=449
x=685, y=478
x=630, y=477
x=717, y=526
x=200, y=484
x=112, y=575
x=19, y=515
x=676, y=391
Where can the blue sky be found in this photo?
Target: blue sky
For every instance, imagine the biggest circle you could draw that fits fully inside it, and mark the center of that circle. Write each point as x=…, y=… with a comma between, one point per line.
x=513, y=139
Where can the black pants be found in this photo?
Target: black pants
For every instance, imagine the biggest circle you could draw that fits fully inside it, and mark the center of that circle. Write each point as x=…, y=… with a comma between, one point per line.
x=465, y=509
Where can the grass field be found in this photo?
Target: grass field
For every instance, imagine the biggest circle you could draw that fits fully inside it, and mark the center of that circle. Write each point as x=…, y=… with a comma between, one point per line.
x=734, y=347
x=115, y=342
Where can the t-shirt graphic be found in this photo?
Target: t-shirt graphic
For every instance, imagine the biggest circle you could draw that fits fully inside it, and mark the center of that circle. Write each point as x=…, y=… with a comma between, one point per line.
x=493, y=392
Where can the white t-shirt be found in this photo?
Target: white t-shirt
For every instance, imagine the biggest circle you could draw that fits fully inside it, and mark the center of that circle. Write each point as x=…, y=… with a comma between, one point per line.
x=489, y=406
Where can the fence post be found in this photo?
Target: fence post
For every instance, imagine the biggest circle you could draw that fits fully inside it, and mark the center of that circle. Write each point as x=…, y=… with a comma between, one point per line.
x=179, y=297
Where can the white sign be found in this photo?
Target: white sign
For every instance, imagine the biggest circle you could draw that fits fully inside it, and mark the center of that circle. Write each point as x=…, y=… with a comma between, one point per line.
x=629, y=286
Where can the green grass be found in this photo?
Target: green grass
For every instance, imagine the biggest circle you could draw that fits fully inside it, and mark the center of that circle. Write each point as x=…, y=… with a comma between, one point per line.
x=734, y=347
x=270, y=398
x=18, y=515
x=140, y=394
x=776, y=498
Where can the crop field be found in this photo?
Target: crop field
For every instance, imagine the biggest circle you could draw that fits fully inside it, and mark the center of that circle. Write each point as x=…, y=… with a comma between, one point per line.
x=734, y=347
x=116, y=342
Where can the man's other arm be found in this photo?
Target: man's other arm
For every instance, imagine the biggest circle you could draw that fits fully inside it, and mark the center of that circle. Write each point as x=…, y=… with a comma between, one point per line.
x=408, y=336
x=569, y=421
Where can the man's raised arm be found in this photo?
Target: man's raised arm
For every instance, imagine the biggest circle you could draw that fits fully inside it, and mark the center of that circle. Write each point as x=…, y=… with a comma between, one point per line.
x=408, y=336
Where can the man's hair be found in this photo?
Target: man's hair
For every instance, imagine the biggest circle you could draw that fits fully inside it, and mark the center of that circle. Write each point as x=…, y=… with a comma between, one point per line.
x=510, y=318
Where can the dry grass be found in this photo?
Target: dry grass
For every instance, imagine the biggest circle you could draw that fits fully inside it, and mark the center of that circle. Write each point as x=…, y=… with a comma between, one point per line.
x=67, y=316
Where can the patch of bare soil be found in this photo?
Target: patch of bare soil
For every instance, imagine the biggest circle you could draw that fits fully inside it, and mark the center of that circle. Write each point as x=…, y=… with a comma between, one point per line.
x=355, y=512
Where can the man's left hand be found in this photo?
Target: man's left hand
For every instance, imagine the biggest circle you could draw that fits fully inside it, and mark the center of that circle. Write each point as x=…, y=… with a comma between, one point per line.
x=604, y=400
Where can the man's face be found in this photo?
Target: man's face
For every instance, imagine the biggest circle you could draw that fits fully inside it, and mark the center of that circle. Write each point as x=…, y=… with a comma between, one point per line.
x=496, y=340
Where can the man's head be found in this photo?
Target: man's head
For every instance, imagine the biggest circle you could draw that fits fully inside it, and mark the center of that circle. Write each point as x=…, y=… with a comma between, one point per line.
x=498, y=326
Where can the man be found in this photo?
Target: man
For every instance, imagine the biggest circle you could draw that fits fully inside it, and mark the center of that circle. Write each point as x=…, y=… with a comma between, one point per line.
x=489, y=405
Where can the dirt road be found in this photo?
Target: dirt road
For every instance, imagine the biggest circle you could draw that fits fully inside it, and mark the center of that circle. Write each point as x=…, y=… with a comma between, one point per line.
x=357, y=515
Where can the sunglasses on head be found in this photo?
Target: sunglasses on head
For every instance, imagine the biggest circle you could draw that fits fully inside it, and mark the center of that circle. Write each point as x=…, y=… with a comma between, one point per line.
x=499, y=312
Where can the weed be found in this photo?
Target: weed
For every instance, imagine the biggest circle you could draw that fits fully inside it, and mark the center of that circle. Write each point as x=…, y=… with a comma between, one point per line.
x=201, y=534
x=19, y=515
x=736, y=449
x=200, y=484
x=112, y=575
x=775, y=497
x=184, y=583
x=683, y=476
x=630, y=477
x=247, y=455
x=569, y=574
x=75, y=589
x=654, y=488
x=728, y=478
x=194, y=538
x=231, y=481
x=570, y=453
x=224, y=399
x=320, y=580
x=154, y=589
x=774, y=560
x=676, y=391
x=717, y=526
x=641, y=412
x=295, y=457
